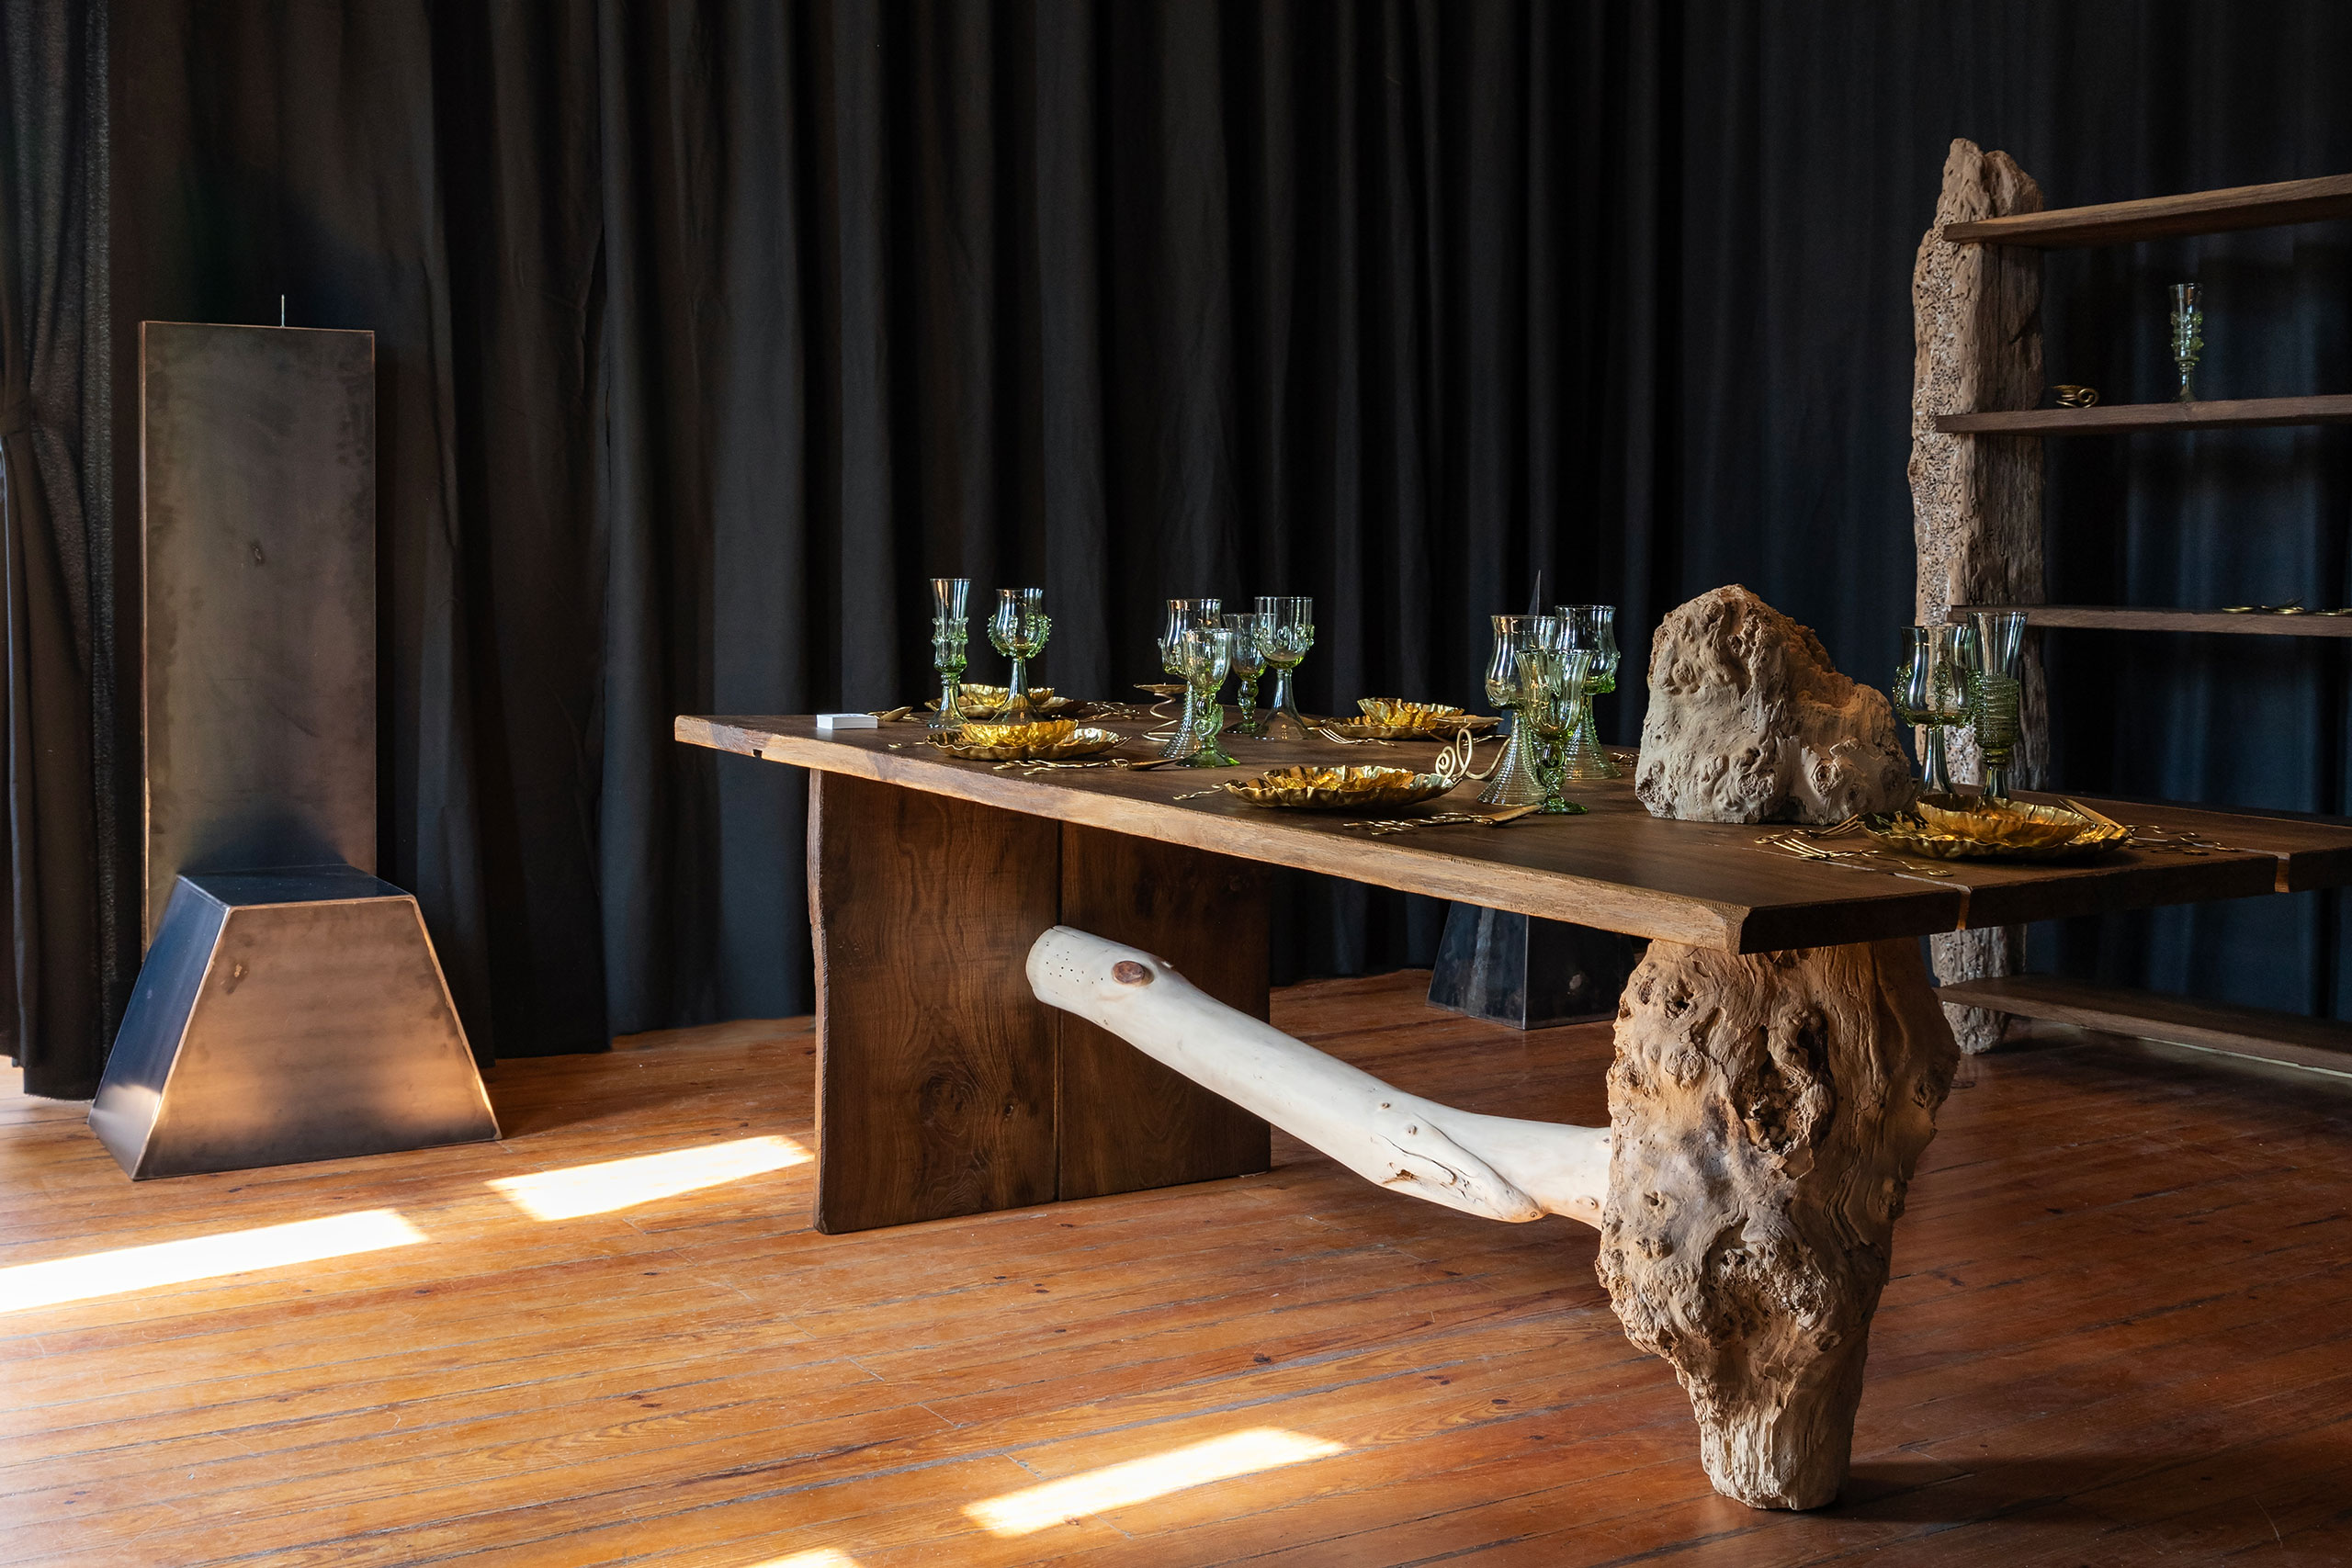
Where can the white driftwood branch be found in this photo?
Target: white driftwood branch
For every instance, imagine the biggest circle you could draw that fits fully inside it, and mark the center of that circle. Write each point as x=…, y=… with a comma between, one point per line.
x=1494, y=1165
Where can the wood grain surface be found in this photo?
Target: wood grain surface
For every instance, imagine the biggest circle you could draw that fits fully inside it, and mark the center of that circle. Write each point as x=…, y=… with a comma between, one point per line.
x=1125, y=1121
x=2114, y=1333
x=2107, y=419
x=1618, y=868
x=937, y=1065
x=2151, y=217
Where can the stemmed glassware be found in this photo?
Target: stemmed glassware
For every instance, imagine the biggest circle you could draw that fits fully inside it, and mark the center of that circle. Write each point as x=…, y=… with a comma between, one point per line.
x=1183, y=615
x=1593, y=628
x=1994, y=657
x=2188, y=336
x=1552, y=682
x=1518, y=781
x=1019, y=631
x=1249, y=631
x=1287, y=639
x=1207, y=654
x=949, y=631
x=1931, y=691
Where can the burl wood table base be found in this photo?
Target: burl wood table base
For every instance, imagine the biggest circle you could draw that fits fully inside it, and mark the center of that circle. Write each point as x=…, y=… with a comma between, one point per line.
x=1766, y=1114
x=1781, y=1055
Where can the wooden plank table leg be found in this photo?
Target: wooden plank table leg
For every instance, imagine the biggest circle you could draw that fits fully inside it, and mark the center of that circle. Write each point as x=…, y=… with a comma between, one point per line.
x=1126, y=1121
x=1766, y=1114
x=935, y=1064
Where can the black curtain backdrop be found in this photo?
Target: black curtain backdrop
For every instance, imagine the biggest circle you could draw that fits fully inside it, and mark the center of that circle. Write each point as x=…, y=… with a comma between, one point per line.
x=708, y=331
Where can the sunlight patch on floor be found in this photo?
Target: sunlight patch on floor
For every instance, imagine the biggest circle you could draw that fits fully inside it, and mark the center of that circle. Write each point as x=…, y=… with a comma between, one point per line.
x=624, y=1183
x=823, y=1557
x=27, y=1285
x=1118, y=1485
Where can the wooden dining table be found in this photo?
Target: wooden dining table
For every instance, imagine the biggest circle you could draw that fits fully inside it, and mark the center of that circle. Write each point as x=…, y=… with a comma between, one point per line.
x=1780, y=995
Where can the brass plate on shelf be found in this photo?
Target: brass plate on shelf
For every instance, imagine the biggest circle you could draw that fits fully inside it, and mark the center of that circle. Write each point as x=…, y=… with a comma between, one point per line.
x=1953, y=826
x=1044, y=742
x=1340, y=789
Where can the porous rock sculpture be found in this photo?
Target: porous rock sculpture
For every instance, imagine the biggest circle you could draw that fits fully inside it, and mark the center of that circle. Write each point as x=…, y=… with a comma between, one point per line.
x=1750, y=722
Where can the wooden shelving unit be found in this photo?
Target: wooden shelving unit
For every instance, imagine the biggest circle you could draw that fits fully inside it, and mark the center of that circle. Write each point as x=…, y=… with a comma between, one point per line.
x=2290, y=1038
x=1977, y=509
x=2164, y=216
x=2109, y=617
x=2110, y=419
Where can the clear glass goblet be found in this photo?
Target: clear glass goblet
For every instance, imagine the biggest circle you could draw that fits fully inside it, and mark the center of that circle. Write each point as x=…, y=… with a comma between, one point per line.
x=1019, y=630
x=1995, y=656
x=1932, y=691
x=1518, y=780
x=1550, y=681
x=1593, y=628
x=1183, y=615
x=1249, y=632
x=1287, y=640
x=950, y=630
x=1208, y=660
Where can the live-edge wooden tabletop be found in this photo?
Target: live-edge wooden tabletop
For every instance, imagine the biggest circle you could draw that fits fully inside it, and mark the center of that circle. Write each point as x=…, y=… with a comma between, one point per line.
x=1617, y=867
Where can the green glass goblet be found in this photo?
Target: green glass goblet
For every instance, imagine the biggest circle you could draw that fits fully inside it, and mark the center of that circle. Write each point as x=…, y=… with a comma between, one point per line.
x=1183, y=615
x=1550, y=681
x=1287, y=643
x=1932, y=691
x=1996, y=653
x=1208, y=660
x=949, y=633
x=1019, y=630
x=1593, y=628
x=1249, y=633
x=1518, y=781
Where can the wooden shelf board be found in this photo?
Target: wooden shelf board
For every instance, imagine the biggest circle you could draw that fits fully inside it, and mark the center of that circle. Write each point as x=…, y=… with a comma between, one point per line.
x=2106, y=419
x=2290, y=1038
x=2108, y=618
x=2161, y=217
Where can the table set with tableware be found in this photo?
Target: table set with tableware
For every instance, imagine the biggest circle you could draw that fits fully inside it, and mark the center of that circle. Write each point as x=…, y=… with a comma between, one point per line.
x=971, y=1058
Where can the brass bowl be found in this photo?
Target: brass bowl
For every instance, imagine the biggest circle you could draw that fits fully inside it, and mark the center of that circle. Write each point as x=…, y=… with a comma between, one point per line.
x=1340, y=789
x=1078, y=740
x=1950, y=827
x=1396, y=718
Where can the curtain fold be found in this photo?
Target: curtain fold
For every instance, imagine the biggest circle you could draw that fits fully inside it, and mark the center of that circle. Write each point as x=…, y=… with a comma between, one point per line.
x=708, y=331
x=52, y=129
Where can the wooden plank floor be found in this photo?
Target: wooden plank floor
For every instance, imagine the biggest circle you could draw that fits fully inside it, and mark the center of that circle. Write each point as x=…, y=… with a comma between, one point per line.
x=2121, y=1332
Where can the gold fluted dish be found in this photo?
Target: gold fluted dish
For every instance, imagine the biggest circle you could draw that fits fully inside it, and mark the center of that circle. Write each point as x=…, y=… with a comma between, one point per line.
x=1393, y=719
x=1340, y=789
x=986, y=702
x=1053, y=740
x=1956, y=826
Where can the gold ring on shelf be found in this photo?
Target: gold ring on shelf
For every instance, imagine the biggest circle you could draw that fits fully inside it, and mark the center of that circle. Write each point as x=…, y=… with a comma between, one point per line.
x=2074, y=397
